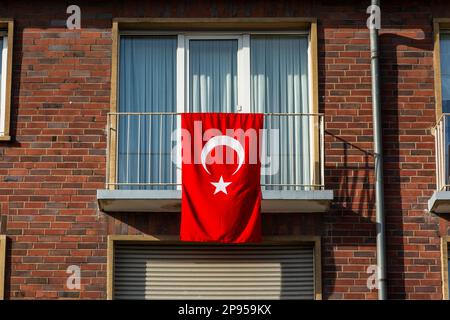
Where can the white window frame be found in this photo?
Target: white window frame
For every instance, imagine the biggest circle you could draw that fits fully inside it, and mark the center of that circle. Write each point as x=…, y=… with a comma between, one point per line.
x=3, y=80
x=243, y=63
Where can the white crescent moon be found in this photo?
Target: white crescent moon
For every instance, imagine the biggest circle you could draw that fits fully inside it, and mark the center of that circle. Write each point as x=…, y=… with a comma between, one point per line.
x=223, y=141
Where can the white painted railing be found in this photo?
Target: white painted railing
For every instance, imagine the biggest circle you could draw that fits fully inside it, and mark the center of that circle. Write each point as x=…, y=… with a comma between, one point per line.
x=141, y=149
x=442, y=135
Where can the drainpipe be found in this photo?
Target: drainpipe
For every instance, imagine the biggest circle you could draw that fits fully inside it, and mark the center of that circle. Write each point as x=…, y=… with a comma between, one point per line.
x=378, y=151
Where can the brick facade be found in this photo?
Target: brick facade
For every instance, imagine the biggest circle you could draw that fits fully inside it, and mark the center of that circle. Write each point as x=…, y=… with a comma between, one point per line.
x=50, y=172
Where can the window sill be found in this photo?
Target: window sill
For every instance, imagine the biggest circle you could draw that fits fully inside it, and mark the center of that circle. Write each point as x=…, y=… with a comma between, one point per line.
x=5, y=138
x=170, y=201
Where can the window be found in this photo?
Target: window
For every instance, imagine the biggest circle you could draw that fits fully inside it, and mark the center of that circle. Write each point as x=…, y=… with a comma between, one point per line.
x=3, y=55
x=6, y=30
x=162, y=75
x=2, y=264
x=443, y=132
x=439, y=201
x=445, y=89
x=279, y=84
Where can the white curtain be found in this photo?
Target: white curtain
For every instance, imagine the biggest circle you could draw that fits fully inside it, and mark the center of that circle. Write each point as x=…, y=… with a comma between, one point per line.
x=147, y=79
x=279, y=84
x=147, y=83
x=212, y=75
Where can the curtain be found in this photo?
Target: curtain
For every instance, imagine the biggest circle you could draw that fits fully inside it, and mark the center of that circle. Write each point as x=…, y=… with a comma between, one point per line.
x=2, y=108
x=147, y=83
x=212, y=75
x=279, y=84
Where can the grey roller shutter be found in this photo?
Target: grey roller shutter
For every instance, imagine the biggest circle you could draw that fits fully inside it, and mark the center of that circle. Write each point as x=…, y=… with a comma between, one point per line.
x=213, y=272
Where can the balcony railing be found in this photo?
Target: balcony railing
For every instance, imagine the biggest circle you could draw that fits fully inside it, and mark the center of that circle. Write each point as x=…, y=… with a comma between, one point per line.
x=442, y=133
x=142, y=151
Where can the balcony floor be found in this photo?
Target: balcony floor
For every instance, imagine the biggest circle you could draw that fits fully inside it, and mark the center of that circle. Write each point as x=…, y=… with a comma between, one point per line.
x=439, y=202
x=170, y=201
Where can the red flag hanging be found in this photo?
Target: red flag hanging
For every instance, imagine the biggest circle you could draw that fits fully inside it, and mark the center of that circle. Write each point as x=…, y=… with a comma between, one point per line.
x=221, y=190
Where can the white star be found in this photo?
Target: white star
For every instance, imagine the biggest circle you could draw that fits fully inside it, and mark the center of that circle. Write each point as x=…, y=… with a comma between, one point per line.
x=221, y=186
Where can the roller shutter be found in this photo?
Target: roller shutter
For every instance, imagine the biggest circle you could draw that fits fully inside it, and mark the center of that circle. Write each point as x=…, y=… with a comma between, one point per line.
x=213, y=272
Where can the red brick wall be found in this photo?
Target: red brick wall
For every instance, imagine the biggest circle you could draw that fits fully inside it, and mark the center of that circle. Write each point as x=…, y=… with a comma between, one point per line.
x=50, y=173
x=61, y=85
x=408, y=114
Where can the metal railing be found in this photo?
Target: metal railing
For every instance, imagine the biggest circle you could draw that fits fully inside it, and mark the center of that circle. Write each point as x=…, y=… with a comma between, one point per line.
x=442, y=135
x=142, y=151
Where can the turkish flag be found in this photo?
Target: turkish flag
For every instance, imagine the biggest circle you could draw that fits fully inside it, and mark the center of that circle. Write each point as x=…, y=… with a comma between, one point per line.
x=221, y=170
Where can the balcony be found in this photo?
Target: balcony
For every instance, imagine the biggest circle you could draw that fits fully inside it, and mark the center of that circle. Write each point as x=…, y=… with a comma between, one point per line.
x=440, y=200
x=145, y=176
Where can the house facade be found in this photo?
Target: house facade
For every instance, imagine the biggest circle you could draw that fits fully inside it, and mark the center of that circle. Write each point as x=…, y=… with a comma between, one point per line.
x=89, y=192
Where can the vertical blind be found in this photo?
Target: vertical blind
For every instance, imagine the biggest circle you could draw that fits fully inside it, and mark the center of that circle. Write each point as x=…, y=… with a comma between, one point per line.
x=279, y=84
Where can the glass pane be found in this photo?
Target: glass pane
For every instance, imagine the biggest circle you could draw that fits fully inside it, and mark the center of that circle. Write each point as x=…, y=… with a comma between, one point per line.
x=147, y=79
x=445, y=71
x=279, y=84
x=212, y=75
